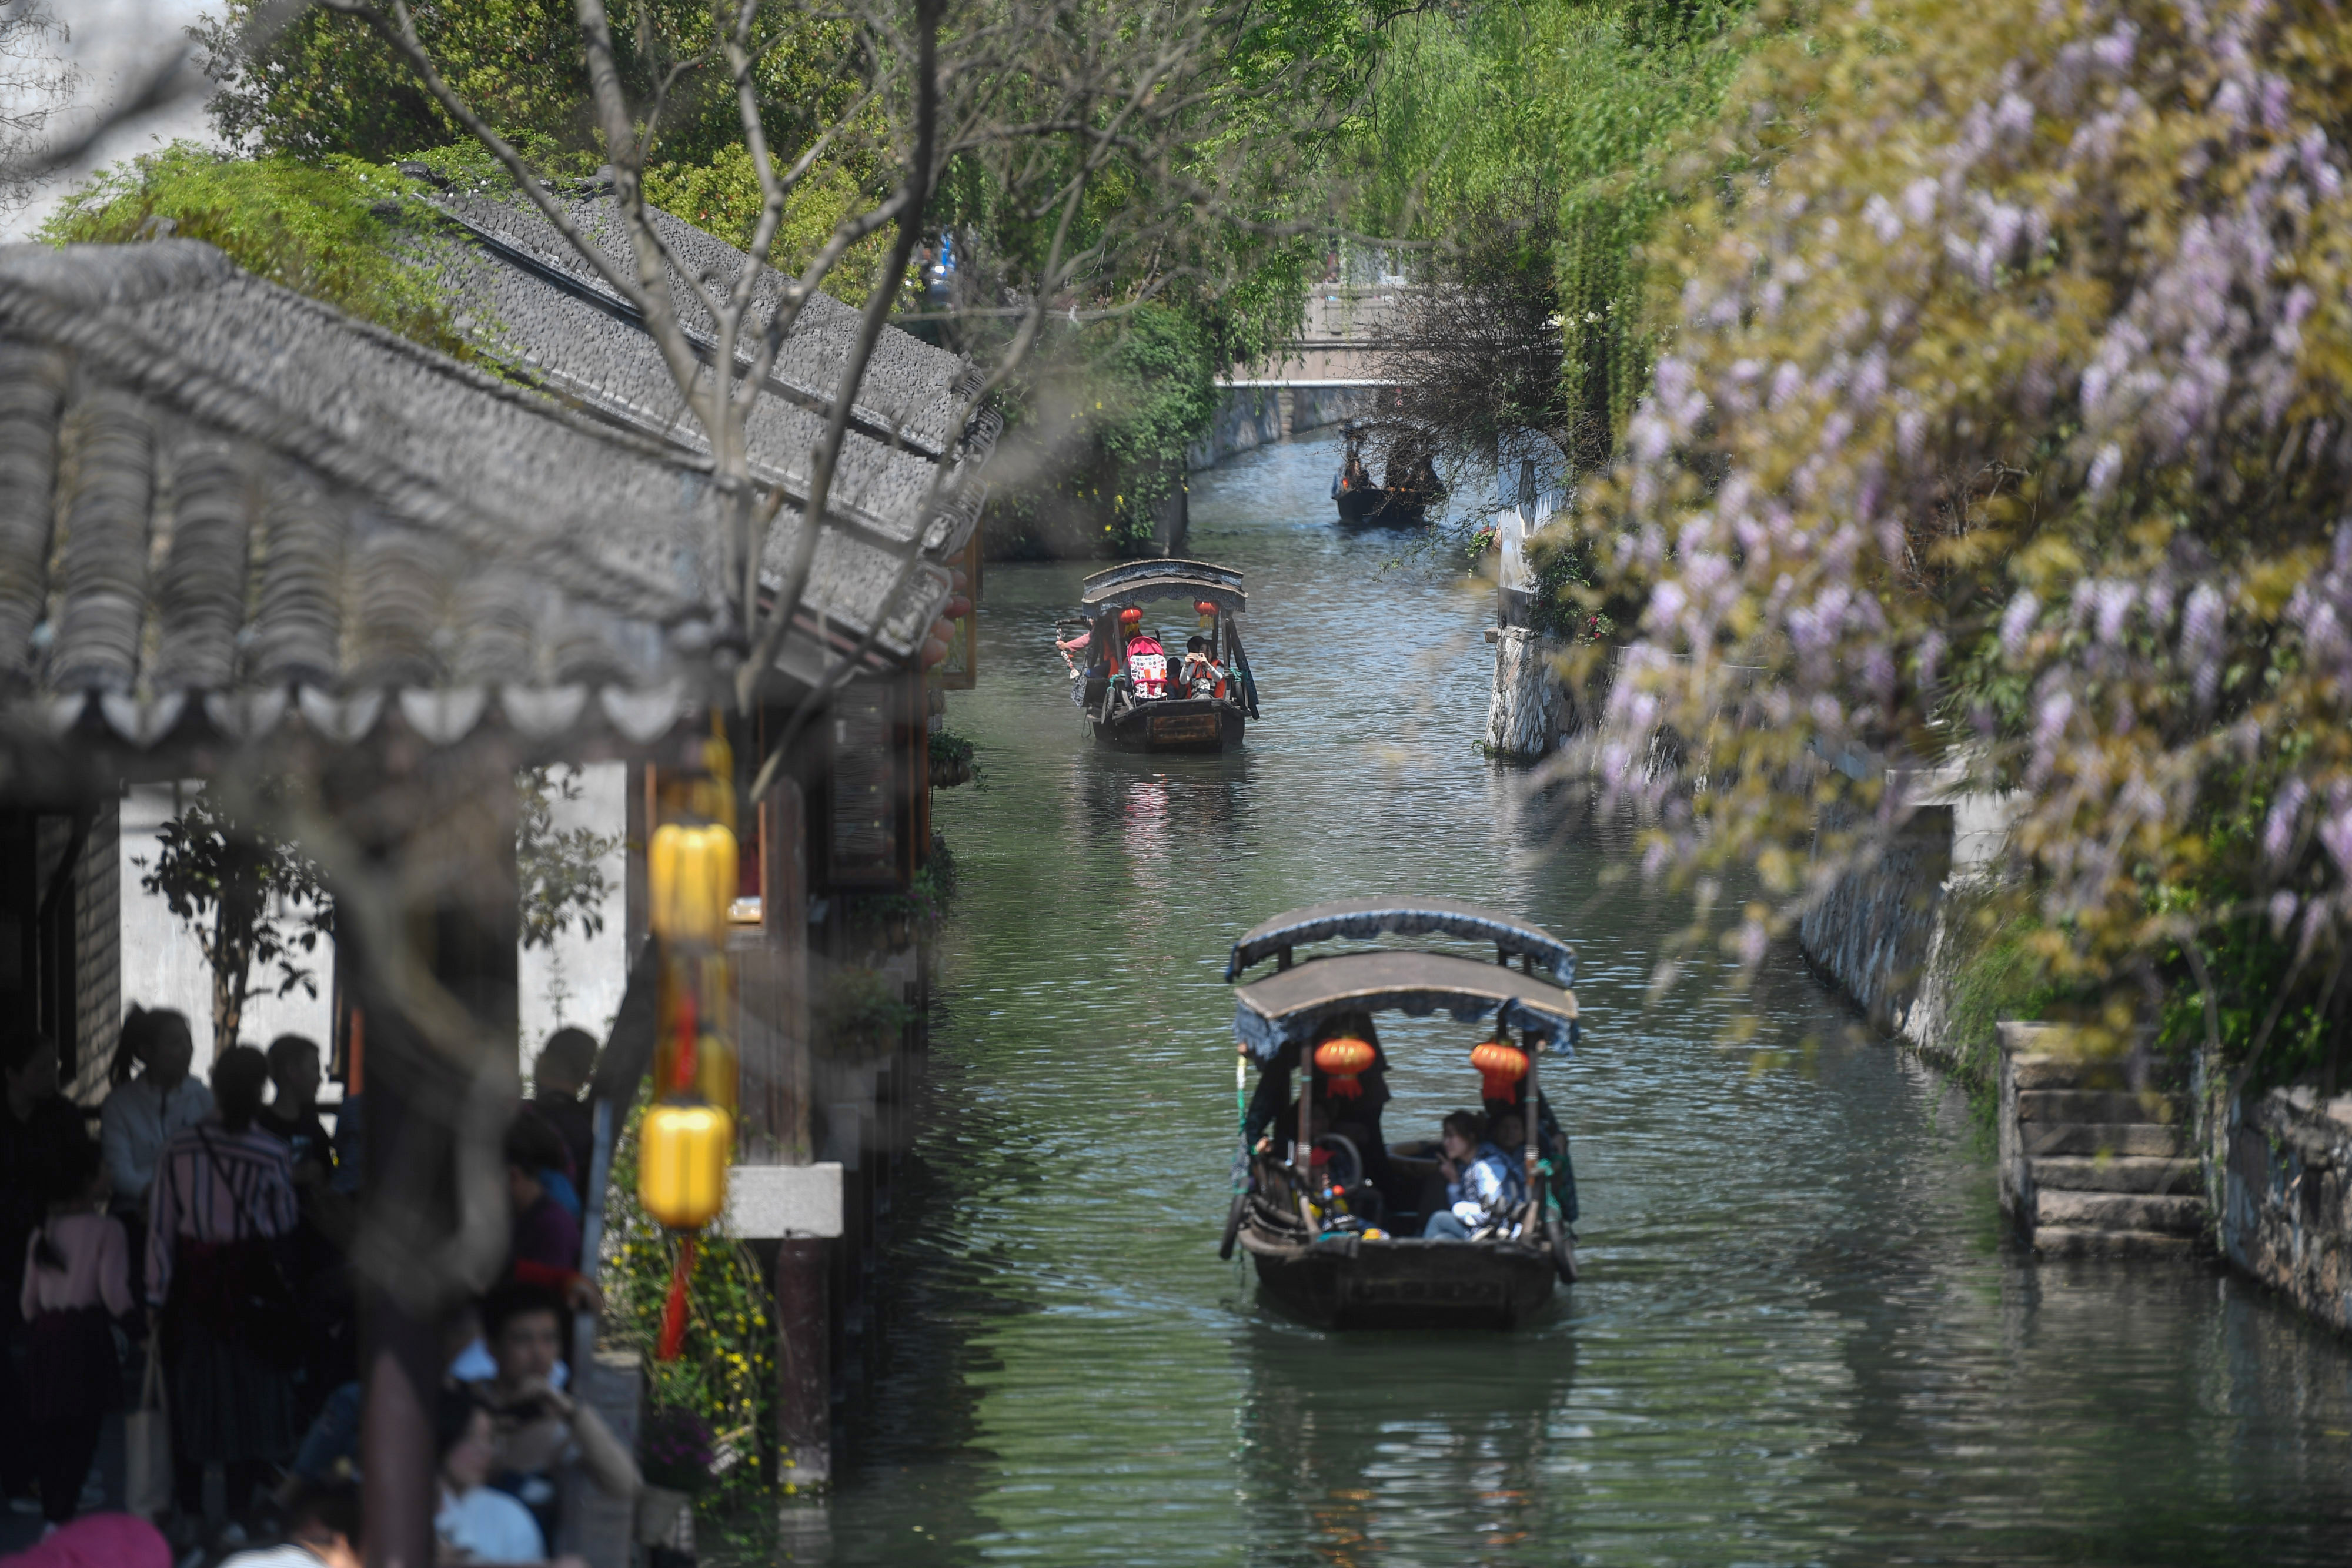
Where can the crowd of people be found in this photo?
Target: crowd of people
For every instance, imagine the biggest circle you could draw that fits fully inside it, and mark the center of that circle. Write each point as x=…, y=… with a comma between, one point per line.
x=202, y=1235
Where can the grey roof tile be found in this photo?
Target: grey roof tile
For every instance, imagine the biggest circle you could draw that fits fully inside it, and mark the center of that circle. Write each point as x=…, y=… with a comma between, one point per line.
x=538, y=304
x=213, y=490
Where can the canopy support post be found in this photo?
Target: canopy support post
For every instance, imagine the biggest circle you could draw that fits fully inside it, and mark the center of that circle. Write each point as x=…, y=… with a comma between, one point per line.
x=1532, y=1044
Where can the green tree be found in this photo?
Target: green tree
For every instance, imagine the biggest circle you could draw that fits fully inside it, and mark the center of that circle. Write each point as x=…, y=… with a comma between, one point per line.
x=560, y=871
x=246, y=897
x=1564, y=117
x=331, y=229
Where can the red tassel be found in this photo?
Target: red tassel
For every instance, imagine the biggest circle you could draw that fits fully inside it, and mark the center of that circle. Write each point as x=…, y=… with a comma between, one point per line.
x=1345, y=1088
x=673, y=1332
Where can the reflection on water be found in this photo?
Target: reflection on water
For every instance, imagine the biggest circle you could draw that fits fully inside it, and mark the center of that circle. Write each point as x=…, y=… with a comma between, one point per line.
x=1798, y=1338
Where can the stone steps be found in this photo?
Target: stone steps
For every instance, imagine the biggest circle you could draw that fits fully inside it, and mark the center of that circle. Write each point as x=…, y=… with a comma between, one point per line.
x=2079, y=1105
x=2080, y=1242
x=2123, y=1173
x=2121, y=1139
x=2174, y=1216
x=2092, y=1168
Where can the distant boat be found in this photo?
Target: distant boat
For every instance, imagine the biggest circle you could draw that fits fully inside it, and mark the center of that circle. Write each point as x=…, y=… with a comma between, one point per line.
x=1402, y=503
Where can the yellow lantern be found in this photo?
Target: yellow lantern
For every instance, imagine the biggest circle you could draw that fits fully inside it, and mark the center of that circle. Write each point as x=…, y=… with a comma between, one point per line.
x=692, y=873
x=683, y=1152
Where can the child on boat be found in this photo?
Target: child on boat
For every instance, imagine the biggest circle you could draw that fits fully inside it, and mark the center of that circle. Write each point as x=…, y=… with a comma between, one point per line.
x=1484, y=1188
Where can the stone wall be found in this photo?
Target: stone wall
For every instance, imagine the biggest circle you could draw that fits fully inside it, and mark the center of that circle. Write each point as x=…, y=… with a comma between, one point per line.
x=1885, y=937
x=1249, y=417
x=1870, y=935
x=2286, y=1205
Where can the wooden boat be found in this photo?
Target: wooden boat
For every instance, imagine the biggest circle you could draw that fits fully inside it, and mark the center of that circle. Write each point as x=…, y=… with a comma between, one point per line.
x=1403, y=502
x=1121, y=708
x=1310, y=1261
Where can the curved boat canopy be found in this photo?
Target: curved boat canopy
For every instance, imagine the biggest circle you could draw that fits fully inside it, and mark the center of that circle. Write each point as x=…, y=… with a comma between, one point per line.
x=1288, y=1006
x=1142, y=580
x=1364, y=919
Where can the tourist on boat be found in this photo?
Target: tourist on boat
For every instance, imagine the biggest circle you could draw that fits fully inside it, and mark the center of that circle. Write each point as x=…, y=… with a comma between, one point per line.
x=1351, y=476
x=1201, y=675
x=1485, y=1189
x=1146, y=661
x=544, y=1241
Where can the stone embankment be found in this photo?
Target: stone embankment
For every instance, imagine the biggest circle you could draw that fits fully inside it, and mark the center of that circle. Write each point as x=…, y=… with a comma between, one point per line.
x=1249, y=417
x=2090, y=1168
x=2286, y=1202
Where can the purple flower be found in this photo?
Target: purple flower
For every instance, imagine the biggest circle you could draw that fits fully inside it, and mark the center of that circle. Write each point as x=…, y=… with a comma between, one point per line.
x=2017, y=623
x=2278, y=828
x=2200, y=638
x=2281, y=912
x=2335, y=833
x=2104, y=468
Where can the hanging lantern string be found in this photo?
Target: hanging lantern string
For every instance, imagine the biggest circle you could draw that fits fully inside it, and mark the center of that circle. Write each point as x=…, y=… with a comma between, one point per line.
x=673, y=1329
x=690, y=1033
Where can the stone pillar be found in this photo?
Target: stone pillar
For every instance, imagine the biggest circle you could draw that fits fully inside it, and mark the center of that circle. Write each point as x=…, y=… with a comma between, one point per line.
x=1522, y=714
x=804, y=1362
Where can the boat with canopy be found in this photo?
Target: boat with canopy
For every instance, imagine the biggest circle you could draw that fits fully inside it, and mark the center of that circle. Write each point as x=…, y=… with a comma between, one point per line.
x=1411, y=486
x=1138, y=690
x=1331, y=1215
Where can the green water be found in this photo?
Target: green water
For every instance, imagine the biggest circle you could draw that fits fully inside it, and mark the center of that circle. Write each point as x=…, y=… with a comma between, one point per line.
x=1799, y=1337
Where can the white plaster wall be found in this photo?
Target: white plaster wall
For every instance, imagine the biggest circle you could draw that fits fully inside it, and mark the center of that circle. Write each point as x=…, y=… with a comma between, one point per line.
x=164, y=966
x=115, y=45
x=579, y=981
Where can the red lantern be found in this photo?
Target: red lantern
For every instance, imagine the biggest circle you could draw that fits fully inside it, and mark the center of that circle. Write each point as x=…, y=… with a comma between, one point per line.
x=1339, y=1061
x=1501, y=1066
x=1203, y=607
x=1130, y=616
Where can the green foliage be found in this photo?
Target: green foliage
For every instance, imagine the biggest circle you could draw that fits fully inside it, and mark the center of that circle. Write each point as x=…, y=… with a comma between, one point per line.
x=723, y=196
x=326, y=84
x=1100, y=420
x=1572, y=104
x=2001, y=969
x=559, y=870
x=246, y=897
x=726, y=1373
x=859, y=1013
x=331, y=229
x=952, y=761
x=2001, y=428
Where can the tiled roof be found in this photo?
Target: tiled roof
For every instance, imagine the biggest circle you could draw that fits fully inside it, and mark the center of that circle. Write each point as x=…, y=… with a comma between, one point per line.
x=226, y=508
x=539, y=307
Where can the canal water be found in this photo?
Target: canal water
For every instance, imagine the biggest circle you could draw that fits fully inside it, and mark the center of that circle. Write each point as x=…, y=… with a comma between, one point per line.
x=1800, y=1337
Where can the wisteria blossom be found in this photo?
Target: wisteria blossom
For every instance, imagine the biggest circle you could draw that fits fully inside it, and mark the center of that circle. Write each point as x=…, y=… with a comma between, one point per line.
x=2002, y=424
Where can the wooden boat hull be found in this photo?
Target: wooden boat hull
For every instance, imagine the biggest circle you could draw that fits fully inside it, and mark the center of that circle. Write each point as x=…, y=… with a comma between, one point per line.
x=1174, y=724
x=1378, y=507
x=1404, y=1284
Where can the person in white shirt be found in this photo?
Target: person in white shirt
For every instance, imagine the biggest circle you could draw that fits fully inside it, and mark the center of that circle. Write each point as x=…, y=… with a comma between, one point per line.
x=323, y=1531
x=143, y=1113
x=477, y=1523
